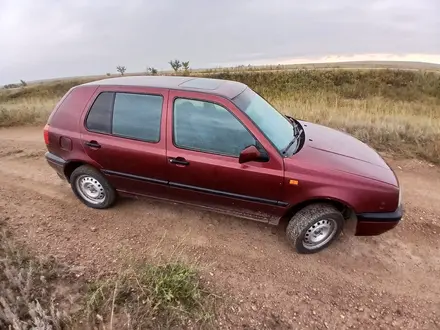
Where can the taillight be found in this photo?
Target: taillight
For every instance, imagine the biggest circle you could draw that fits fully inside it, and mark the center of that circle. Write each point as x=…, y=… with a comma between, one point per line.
x=46, y=134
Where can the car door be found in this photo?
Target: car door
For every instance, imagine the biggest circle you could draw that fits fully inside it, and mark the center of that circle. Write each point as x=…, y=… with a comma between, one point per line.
x=204, y=141
x=123, y=132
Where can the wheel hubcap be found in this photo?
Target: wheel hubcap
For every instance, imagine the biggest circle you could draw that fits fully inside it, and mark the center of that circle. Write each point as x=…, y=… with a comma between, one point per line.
x=320, y=233
x=90, y=189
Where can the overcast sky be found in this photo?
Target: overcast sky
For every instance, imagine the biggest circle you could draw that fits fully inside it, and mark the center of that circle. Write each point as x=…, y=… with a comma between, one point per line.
x=56, y=38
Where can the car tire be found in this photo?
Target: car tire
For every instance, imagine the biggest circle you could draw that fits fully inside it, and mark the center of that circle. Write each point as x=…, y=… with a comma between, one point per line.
x=314, y=227
x=92, y=188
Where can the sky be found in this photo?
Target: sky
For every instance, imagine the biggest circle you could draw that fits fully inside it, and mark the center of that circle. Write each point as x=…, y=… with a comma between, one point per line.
x=61, y=38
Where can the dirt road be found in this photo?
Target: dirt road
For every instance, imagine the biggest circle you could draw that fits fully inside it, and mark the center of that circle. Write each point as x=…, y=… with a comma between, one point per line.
x=390, y=281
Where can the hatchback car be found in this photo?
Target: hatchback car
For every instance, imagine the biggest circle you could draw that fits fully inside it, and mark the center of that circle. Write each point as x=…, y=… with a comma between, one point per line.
x=218, y=145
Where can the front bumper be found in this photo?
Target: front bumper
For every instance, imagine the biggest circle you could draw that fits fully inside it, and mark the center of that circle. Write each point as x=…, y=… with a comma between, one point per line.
x=370, y=224
x=57, y=163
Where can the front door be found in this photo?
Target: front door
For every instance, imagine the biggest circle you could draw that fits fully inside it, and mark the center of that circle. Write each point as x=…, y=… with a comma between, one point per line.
x=124, y=134
x=203, y=145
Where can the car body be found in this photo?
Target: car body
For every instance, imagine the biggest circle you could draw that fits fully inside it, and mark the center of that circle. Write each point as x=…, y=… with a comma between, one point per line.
x=218, y=145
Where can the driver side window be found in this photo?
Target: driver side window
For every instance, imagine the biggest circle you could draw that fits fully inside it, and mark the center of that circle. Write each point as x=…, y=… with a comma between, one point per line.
x=208, y=127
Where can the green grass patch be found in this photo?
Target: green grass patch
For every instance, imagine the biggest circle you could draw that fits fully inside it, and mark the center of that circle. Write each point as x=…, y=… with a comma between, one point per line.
x=151, y=296
x=40, y=293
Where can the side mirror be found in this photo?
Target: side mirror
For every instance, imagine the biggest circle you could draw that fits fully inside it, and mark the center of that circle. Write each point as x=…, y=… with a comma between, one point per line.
x=249, y=154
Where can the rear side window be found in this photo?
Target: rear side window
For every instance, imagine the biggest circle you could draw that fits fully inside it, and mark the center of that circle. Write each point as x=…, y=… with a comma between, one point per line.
x=137, y=116
x=100, y=114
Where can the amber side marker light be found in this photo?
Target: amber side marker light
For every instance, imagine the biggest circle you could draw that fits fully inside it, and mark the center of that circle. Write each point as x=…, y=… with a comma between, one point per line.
x=293, y=182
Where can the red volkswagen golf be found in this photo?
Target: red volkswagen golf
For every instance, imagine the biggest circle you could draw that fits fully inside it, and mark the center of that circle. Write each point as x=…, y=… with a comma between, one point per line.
x=219, y=145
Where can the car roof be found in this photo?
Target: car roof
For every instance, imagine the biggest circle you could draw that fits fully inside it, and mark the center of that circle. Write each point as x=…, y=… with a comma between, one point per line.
x=225, y=88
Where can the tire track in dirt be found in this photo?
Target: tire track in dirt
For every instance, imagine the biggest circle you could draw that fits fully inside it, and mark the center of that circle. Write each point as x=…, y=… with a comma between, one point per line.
x=364, y=282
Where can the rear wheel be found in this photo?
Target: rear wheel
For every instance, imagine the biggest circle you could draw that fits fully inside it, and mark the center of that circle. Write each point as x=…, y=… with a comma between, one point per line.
x=314, y=227
x=92, y=188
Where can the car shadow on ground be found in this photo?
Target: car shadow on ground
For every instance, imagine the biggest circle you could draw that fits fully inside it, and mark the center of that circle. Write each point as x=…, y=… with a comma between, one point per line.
x=193, y=219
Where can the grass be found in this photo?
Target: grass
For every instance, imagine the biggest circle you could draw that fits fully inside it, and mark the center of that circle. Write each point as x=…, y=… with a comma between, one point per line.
x=397, y=127
x=151, y=296
x=32, y=104
x=40, y=293
x=396, y=111
x=29, y=296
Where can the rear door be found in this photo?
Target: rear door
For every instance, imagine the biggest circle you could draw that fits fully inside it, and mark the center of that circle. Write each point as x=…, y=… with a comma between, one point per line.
x=205, y=138
x=123, y=132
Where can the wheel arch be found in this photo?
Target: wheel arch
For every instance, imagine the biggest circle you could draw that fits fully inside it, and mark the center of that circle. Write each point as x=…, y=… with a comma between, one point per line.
x=346, y=209
x=72, y=166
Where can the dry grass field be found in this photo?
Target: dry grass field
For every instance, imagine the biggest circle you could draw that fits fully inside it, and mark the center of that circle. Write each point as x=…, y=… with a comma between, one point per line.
x=395, y=111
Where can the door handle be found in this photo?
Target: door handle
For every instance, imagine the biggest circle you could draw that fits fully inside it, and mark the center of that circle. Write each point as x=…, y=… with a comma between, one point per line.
x=179, y=161
x=93, y=144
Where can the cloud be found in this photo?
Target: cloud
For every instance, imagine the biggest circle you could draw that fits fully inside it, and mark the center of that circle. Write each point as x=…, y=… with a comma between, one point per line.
x=49, y=38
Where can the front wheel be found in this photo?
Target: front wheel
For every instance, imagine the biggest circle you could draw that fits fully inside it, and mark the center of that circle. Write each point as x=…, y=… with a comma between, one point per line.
x=314, y=227
x=92, y=188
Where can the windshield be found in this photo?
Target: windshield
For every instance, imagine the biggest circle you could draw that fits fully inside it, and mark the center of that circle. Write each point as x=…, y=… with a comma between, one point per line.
x=273, y=125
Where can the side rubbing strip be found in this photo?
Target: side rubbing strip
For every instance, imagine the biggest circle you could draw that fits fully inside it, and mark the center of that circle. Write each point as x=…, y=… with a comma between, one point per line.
x=226, y=194
x=134, y=177
x=200, y=189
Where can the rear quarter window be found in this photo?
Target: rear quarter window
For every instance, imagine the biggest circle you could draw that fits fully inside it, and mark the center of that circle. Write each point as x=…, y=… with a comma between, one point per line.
x=99, y=118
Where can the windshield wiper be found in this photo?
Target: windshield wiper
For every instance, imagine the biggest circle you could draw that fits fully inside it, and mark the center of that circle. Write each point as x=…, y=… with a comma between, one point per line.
x=296, y=135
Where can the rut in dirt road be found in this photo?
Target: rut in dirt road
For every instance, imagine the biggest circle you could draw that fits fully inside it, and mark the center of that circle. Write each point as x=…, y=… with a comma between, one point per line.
x=366, y=282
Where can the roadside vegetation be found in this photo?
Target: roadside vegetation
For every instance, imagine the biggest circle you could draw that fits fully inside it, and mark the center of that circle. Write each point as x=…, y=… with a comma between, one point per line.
x=394, y=111
x=40, y=293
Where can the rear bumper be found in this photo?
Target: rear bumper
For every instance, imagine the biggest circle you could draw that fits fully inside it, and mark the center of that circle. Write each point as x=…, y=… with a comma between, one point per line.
x=57, y=163
x=370, y=224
